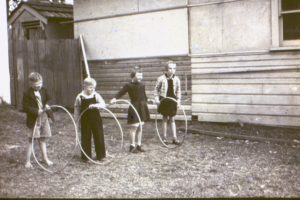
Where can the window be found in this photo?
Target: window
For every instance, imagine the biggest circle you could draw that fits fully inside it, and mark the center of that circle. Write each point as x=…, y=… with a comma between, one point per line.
x=286, y=23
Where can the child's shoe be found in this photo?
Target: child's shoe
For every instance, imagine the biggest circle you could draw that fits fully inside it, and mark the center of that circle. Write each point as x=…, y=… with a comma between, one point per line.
x=132, y=149
x=139, y=148
x=176, y=141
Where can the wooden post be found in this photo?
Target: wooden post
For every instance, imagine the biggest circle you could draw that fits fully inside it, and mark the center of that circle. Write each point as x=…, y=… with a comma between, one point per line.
x=84, y=57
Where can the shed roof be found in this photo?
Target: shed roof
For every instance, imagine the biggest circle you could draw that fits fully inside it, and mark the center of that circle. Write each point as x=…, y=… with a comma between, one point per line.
x=44, y=10
x=52, y=10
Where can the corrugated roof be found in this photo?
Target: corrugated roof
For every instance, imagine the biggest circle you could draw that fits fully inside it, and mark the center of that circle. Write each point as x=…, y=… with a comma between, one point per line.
x=52, y=10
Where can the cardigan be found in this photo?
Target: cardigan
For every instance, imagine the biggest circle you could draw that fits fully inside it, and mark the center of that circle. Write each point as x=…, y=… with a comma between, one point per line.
x=161, y=87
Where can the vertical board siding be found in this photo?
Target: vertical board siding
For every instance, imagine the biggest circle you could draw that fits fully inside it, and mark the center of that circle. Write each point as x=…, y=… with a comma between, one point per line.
x=260, y=88
x=58, y=61
x=111, y=75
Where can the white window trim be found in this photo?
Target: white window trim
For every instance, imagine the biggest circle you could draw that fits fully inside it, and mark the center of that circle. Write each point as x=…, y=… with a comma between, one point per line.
x=277, y=37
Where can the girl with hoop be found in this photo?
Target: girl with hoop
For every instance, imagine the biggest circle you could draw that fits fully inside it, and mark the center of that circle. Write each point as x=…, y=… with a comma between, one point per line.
x=137, y=95
x=91, y=121
x=168, y=85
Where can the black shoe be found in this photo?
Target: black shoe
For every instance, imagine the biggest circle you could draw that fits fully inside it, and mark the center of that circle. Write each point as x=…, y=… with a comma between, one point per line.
x=139, y=148
x=176, y=141
x=132, y=149
x=100, y=158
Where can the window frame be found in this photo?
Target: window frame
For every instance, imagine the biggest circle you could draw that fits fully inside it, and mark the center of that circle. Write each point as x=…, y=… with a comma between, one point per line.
x=277, y=28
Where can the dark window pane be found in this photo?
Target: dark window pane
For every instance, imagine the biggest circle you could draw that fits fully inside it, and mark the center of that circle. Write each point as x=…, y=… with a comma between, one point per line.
x=290, y=5
x=291, y=26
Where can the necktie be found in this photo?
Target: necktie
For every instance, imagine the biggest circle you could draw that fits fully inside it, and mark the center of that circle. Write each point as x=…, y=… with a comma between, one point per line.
x=39, y=99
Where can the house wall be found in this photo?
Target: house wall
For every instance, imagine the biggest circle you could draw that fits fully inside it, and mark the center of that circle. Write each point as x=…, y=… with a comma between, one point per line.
x=117, y=38
x=111, y=75
x=230, y=27
x=235, y=76
x=140, y=35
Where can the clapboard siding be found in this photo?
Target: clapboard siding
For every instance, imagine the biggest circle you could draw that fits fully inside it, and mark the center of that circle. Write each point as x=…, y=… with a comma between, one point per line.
x=245, y=99
x=253, y=119
x=260, y=88
x=247, y=89
x=111, y=75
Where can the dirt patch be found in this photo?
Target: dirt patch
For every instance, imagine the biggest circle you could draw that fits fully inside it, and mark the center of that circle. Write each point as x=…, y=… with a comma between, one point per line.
x=204, y=166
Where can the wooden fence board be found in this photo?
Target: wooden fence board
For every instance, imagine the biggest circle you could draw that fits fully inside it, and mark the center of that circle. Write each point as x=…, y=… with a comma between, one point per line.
x=58, y=61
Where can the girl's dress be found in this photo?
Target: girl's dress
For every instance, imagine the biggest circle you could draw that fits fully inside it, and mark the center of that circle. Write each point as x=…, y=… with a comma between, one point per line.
x=91, y=124
x=138, y=98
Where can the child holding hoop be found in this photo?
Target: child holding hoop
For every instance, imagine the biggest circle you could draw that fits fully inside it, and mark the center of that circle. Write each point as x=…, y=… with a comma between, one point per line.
x=168, y=85
x=90, y=121
x=137, y=95
x=35, y=105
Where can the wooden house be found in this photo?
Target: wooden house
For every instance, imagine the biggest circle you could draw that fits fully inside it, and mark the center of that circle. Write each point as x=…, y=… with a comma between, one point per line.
x=238, y=60
x=41, y=20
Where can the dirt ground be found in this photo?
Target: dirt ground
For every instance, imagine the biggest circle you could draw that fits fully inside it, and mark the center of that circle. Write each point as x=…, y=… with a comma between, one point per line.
x=204, y=166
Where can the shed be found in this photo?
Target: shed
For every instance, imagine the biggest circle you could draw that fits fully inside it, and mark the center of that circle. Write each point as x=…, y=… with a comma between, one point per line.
x=42, y=20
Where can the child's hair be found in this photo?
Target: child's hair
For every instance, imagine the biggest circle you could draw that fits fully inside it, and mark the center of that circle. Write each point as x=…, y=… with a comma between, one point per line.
x=89, y=81
x=169, y=62
x=135, y=70
x=35, y=77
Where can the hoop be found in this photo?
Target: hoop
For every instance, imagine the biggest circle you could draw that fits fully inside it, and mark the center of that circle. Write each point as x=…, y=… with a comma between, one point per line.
x=89, y=158
x=185, y=132
x=64, y=166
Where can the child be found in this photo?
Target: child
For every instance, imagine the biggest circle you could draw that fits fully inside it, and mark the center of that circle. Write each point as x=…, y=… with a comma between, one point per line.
x=35, y=105
x=91, y=121
x=137, y=94
x=168, y=85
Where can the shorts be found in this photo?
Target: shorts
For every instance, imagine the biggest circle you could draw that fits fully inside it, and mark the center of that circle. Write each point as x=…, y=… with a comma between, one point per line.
x=42, y=127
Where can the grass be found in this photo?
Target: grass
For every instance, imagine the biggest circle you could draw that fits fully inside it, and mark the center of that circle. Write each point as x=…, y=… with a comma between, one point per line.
x=204, y=166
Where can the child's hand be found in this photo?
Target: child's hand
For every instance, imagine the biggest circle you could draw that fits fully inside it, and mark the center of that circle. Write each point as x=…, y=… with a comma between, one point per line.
x=151, y=101
x=47, y=107
x=157, y=101
x=40, y=111
x=178, y=105
x=113, y=101
x=92, y=106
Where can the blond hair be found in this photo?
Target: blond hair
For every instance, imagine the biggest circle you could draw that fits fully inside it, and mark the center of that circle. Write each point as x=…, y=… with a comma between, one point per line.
x=89, y=81
x=168, y=63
